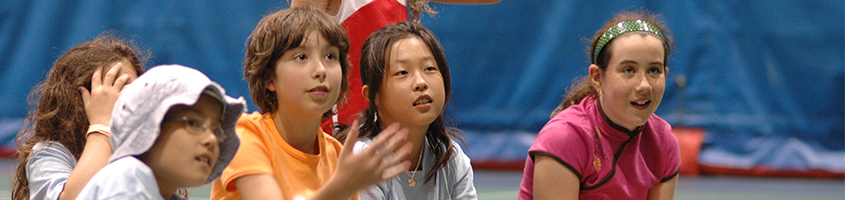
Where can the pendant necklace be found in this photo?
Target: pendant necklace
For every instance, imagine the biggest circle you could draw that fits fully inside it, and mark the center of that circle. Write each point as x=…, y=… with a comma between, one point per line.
x=411, y=181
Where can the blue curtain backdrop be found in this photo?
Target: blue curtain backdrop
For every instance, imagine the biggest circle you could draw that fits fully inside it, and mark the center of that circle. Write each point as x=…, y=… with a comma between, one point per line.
x=763, y=78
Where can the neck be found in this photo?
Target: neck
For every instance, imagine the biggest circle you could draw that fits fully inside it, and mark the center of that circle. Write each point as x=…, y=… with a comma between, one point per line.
x=298, y=131
x=416, y=136
x=166, y=190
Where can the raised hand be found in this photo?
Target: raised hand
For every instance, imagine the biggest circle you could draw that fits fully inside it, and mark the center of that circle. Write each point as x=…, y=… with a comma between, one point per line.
x=99, y=102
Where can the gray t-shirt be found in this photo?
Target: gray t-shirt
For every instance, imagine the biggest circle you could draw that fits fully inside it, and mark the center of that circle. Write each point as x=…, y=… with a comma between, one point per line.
x=454, y=181
x=47, y=170
x=125, y=178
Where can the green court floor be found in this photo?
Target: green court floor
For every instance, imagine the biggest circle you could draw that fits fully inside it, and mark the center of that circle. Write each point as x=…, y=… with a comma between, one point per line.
x=496, y=185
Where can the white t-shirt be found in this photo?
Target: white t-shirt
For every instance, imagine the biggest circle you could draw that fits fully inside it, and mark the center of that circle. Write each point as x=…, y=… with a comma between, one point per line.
x=125, y=178
x=47, y=170
x=454, y=181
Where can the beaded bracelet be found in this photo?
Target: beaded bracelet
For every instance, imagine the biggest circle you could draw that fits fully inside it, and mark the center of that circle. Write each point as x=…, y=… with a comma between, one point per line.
x=98, y=128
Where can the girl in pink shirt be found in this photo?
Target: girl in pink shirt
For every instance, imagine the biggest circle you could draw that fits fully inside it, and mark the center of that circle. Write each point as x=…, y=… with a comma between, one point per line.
x=604, y=141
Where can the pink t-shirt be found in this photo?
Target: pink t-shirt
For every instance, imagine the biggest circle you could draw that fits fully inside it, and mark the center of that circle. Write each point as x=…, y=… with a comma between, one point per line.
x=615, y=164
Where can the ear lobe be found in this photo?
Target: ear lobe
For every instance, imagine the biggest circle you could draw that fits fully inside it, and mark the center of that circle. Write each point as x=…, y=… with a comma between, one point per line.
x=595, y=77
x=365, y=91
x=271, y=86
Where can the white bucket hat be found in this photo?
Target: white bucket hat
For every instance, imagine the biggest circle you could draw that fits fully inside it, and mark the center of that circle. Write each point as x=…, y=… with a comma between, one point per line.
x=140, y=109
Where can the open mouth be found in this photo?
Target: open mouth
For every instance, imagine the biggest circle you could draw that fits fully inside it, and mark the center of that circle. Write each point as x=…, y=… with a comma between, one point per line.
x=425, y=99
x=641, y=103
x=319, y=89
x=205, y=158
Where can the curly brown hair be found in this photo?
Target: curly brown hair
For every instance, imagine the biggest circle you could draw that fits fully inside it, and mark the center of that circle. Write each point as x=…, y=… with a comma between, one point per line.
x=59, y=113
x=279, y=32
x=582, y=87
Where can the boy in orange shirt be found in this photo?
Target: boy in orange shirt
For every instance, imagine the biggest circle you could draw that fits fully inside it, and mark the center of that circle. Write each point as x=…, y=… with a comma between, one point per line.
x=296, y=66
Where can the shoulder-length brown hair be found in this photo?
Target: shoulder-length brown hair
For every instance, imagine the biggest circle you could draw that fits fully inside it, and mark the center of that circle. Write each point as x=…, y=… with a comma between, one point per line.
x=280, y=32
x=582, y=86
x=374, y=59
x=59, y=114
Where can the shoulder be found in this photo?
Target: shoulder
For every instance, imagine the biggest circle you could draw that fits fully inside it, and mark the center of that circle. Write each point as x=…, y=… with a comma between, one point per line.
x=565, y=130
x=49, y=153
x=50, y=148
x=252, y=120
x=332, y=143
x=661, y=130
x=459, y=160
x=125, y=177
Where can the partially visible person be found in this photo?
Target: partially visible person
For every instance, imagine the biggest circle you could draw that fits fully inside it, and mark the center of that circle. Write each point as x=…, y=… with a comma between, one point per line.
x=360, y=18
x=174, y=128
x=65, y=139
x=604, y=140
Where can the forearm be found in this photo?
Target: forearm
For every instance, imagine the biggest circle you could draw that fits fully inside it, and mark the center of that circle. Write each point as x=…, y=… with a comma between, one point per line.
x=334, y=189
x=94, y=157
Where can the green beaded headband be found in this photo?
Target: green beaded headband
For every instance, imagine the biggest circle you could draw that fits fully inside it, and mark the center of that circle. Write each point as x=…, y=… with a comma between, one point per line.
x=624, y=27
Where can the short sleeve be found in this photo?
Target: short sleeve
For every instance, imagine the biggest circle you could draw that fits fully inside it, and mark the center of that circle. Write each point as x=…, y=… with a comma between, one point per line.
x=47, y=170
x=563, y=142
x=463, y=187
x=253, y=156
x=673, y=154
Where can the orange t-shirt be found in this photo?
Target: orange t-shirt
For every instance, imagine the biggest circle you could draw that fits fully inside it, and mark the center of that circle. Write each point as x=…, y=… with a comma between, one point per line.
x=263, y=151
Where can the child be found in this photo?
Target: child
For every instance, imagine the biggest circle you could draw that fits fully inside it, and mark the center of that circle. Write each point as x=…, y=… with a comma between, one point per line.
x=296, y=66
x=173, y=128
x=406, y=81
x=360, y=18
x=604, y=141
x=65, y=140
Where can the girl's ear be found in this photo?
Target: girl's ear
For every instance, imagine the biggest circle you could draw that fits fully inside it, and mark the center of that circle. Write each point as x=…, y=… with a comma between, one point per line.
x=595, y=77
x=271, y=86
x=365, y=91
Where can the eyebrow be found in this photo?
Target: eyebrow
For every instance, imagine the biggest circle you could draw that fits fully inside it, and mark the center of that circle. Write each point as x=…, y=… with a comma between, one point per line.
x=424, y=59
x=634, y=62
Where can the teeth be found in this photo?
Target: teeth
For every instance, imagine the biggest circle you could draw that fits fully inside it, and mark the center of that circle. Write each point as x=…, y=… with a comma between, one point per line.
x=204, y=159
x=421, y=101
x=642, y=102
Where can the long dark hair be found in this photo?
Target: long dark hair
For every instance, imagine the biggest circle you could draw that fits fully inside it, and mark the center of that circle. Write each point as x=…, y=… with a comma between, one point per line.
x=583, y=87
x=374, y=58
x=59, y=114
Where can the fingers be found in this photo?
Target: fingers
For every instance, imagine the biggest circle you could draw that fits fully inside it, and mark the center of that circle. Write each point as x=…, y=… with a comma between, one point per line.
x=395, y=143
x=395, y=170
x=112, y=74
x=121, y=81
x=401, y=155
x=86, y=95
x=351, y=137
x=382, y=138
x=97, y=79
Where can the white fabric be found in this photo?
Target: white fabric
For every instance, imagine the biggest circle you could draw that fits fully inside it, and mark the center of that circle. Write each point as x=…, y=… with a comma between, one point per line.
x=47, y=170
x=348, y=7
x=125, y=178
x=454, y=181
x=140, y=109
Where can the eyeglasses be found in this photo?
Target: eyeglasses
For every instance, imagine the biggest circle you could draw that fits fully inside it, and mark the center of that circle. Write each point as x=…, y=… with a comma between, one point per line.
x=195, y=126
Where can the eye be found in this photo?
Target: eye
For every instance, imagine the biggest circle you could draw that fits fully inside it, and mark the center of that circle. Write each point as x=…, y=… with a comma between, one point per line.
x=431, y=68
x=331, y=56
x=193, y=123
x=400, y=73
x=299, y=57
x=655, y=70
x=628, y=70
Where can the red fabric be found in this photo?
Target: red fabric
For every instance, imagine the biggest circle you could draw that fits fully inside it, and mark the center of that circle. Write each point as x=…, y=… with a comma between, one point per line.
x=366, y=20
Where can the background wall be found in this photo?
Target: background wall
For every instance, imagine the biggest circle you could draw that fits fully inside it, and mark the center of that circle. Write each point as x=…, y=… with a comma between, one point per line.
x=764, y=79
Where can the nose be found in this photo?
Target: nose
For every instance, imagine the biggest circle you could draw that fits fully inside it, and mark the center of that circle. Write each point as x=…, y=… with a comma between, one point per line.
x=644, y=86
x=420, y=84
x=319, y=71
